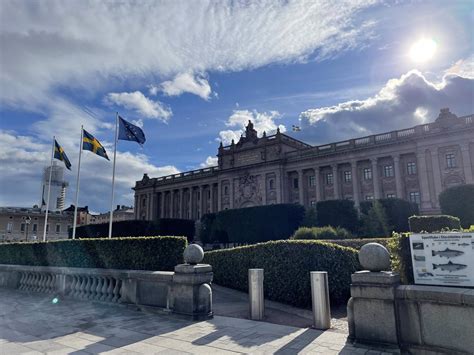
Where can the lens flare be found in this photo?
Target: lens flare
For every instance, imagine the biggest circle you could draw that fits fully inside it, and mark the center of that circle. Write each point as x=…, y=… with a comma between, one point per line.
x=54, y=300
x=423, y=50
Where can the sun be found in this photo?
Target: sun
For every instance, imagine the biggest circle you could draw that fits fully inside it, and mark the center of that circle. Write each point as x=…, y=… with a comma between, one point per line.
x=423, y=50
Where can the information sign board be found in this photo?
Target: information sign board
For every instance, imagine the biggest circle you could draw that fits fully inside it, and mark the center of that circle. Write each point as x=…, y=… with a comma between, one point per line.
x=445, y=259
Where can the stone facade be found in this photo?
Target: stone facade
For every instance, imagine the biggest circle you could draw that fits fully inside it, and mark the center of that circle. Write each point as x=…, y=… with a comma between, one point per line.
x=415, y=164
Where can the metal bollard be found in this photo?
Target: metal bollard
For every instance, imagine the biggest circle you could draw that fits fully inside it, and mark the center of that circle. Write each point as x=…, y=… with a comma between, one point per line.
x=320, y=298
x=256, y=298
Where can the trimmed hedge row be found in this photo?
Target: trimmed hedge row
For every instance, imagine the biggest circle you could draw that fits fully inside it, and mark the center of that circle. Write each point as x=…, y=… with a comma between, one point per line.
x=337, y=213
x=358, y=243
x=433, y=223
x=138, y=228
x=397, y=211
x=287, y=265
x=400, y=254
x=314, y=233
x=459, y=201
x=142, y=253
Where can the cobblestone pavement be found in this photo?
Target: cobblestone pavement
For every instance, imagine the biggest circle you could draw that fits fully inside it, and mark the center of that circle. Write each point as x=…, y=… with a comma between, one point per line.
x=35, y=324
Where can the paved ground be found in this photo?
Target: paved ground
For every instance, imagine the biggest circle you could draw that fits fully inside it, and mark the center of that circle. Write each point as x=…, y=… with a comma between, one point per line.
x=33, y=324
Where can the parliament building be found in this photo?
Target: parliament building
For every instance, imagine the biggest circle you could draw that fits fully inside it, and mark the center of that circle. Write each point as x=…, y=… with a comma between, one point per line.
x=415, y=164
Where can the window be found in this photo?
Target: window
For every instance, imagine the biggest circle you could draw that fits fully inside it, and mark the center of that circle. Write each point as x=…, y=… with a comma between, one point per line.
x=226, y=190
x=369, y=197
x=388, y=170
x=58, y=228
x=367, y=174
x=329, y=179
x=347, y=176
x=390, y=195
x=450, y=160
x=414, y=197
x=312, y=181
x=35, y=227
x=144, y=202
x=9, y=227
x=411, y=168
x=272, y=184
x=295, y=183
x=22, y=227
x=47, y=228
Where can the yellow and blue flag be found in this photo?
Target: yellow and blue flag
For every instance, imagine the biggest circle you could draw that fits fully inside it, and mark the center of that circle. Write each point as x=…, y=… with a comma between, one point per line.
x=61, y=155
x=89, y=142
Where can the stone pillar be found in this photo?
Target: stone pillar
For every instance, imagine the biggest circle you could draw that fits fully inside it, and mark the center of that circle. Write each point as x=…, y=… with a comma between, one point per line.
x=371, y=310
x=398, y=176
x=375, y=178
x=211, y=206
x=436, y=177
x=264, y=189
x=191, y=293
x=191, y=202
x=335, y=184
x=279, y=187
x=136, y=207
x=423, y=180
x=201, y=202
x=181, y=203
x=219, y=196
x=150, y=207
x=317, y=180
x=300, y=188
x=355, y=183
x=467, y=164
x=172, y=204
x=231, y=197
x=162, y=202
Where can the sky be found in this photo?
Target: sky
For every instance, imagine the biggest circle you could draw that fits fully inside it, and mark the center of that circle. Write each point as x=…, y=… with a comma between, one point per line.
x=192, y=73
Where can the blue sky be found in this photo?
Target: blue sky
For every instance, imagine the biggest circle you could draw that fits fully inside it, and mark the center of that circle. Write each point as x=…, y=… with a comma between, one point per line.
x=192, y=74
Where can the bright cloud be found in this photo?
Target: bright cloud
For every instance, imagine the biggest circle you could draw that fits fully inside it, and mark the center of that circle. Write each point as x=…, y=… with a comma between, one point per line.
x=403, y=102
x=262, y=121
x=186, y=82
x=210, y=161
x=141, y=104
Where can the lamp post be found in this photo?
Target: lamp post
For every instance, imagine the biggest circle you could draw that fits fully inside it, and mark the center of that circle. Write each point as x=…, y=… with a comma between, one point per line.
x=27, y=222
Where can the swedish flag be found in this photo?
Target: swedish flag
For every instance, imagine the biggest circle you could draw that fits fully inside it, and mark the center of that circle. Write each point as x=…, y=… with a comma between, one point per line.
x=61, y=155
x=89, y=142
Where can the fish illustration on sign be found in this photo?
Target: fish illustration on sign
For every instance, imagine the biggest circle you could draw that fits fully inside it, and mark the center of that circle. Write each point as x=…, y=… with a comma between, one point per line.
x=447, y=253
x=463, y=244
x=450, y=266
x=419, y=258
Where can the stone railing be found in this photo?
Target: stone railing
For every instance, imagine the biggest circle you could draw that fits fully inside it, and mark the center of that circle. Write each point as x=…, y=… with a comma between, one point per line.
x=185, y=291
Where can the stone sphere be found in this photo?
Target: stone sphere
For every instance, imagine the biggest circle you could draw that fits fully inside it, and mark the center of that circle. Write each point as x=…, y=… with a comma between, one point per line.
x=374, y=257
x=193, y=254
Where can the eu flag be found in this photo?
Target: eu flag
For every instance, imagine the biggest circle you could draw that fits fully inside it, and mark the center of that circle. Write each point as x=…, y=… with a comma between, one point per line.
x=61, y=155
x=89, y=142
x=130, y=132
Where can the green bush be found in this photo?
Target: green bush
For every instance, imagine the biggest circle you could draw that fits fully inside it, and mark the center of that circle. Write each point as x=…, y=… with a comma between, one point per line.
x=134, y=253
x=138, y=228
x=310, y=218
x=287, y=265
x=338, y=213
x=458, y=201
x=400, y=254
x=327, y=232
x=433, y=223
x=256, y=224
x=205, y=232
x=375, y=222
x=358, y=243
x=396, y=210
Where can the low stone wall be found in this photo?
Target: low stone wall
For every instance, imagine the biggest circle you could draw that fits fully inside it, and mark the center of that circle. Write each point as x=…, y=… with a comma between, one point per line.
x=186, y=291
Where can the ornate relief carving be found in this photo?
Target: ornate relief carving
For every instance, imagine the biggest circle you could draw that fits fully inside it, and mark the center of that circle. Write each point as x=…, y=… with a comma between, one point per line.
x=248, y=191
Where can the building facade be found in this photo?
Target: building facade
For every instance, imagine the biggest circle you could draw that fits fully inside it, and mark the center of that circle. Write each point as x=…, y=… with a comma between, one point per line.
x=414, y=164
x=121, y=213
x=27, y=224
x=57, y=195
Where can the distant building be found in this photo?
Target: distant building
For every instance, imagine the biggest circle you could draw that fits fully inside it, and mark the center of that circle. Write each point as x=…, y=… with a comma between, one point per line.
x=14, y=227
x=58, y=188
x=121, y=213
x=83, y=215
x=414, y=164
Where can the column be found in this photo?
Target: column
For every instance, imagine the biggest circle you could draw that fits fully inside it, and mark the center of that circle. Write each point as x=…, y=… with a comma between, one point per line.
x=211, y=206
x=264, y=189
x=201, y=202
x=279, y=187
x=375, y=178
x=172, y=204
x=162, y=210
x=335, y=175
x=219, y=196
x=150, y=207
x=191, y=202
x=423, y=180
x=300, y=187
x=136, y=206
x=398, y=175
x=355, y=183
x=436, y=176
x=467, y=164
x=231, y=197
x=317, y=180
x=181, y=203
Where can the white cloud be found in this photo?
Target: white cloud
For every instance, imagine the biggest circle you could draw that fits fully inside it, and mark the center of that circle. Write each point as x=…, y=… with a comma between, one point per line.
x=187, y=82
x=463, y=67
x=262, y=121
x=403, y=102
x=141, y=104
x=210, y=161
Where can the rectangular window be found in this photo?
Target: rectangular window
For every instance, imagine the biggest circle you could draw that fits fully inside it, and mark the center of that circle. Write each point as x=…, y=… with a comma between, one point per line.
x=450, y=160
x=35, y=227
x=58, y=228
x=411, y=168
x=347, y=176
x=9, y=227
x=329, y=179
x=226, y=190
x=47, y=228
x=22, y=227
x=369, y=197
x=312, y=181
x=388, y=170
x=295, y=183
x=390, y=195
x=367, y=174
x=415, y=197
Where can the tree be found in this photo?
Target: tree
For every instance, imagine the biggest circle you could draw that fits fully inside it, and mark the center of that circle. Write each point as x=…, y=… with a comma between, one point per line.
x=459, y=201
x=375, y=222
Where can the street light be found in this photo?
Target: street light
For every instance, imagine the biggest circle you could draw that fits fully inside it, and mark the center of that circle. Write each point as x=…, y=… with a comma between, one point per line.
x=27, y=222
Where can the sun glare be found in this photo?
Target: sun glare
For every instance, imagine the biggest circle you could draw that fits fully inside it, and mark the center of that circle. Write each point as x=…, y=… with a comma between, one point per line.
x=423, y=50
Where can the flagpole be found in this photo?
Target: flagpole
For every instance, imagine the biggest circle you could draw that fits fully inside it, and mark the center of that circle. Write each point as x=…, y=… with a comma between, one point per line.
x=113, y=178
x=49, y=192
x=77, y=185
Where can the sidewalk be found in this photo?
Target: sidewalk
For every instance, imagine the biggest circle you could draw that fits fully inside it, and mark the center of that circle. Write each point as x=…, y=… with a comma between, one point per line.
x=33, y=324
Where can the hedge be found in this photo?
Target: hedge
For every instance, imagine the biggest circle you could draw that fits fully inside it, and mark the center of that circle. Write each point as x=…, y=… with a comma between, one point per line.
x=287, y=265
x=433, y=223
x=459, y=201
x=137, y=228
x=327, y=232
x=358, y=243
x=133, y=253
x=396, y=210
x=255, y=224
x=400, y=254
x=337, y=213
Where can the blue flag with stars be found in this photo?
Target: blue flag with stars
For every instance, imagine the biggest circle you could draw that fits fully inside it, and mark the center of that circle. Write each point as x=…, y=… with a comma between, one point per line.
x=130, y=132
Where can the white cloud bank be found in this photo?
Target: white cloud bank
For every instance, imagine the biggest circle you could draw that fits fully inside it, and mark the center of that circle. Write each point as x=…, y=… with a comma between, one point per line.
x=186, y=83
x=210, y=161
x=262, y=121
x=403, y=102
